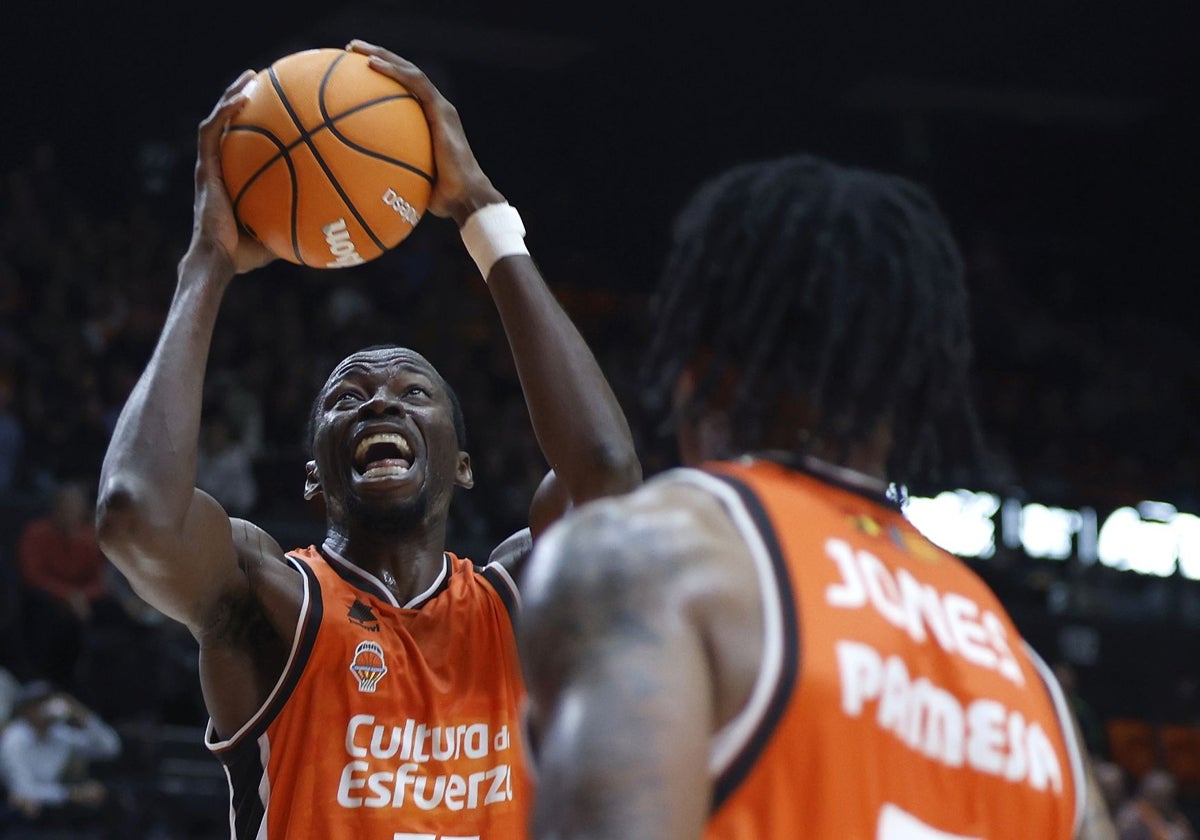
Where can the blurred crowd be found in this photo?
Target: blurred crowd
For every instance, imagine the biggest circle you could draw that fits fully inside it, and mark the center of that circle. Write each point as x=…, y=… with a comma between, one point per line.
x=1074, y=408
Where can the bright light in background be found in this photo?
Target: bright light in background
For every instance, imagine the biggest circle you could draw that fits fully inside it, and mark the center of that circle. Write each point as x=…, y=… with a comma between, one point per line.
x=1048, y=532
x=1153, y=538
x=1187, y=528
x=960, y=521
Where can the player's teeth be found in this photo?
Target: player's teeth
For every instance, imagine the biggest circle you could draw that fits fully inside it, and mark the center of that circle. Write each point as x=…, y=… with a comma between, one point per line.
x=394, y=439
x=383, y=472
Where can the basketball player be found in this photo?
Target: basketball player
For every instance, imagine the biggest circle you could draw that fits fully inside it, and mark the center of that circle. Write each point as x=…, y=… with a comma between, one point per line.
x=367, y=687
x=758, y=644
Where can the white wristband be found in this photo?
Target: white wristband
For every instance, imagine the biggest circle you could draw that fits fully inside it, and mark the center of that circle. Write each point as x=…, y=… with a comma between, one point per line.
x=491, y=233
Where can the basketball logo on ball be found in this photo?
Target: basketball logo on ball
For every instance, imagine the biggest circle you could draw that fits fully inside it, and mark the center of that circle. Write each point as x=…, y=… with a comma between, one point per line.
x=329, y=164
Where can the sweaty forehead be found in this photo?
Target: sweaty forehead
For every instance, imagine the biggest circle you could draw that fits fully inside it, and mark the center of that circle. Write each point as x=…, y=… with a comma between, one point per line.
x=383, y=362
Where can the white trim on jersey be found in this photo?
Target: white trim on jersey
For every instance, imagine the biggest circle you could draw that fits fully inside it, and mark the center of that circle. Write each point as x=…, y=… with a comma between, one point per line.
x=508, y=581
x=1067, y=722
x=297, y=635
x=229, y=781
x=264, y=784
x=413, y=603
x=387, y=593
x=353, y=569
x=728, y=742
x=897, y=824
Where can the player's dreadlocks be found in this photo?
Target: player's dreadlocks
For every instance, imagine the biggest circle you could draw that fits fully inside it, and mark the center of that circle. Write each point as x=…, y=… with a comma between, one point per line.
x=842, y=287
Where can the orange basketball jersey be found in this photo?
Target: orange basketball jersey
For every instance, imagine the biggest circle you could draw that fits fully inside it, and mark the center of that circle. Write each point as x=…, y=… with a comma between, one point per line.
x=390, y=722
x=895, y=699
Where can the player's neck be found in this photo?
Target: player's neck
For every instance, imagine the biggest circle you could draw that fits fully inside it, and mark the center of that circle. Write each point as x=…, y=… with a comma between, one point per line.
x=406, y=564
x=868, y=477
x=863, y=462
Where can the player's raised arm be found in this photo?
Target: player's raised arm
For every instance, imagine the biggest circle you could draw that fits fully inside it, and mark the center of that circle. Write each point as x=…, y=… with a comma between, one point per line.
x=579, y=424
x=174, y=542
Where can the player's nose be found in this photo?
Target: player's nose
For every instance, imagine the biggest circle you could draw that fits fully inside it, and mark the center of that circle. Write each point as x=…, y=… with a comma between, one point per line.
x=383, y=401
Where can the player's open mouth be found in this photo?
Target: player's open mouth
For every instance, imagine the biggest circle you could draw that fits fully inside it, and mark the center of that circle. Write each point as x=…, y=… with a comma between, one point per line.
x=382, y=455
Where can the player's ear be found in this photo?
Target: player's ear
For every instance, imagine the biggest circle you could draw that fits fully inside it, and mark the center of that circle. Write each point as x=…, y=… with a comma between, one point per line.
x=713, y=435
x=704, y=429
x=463, y=476
x=312, y=482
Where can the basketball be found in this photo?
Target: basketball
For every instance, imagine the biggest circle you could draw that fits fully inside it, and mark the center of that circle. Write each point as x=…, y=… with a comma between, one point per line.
x=329, y=164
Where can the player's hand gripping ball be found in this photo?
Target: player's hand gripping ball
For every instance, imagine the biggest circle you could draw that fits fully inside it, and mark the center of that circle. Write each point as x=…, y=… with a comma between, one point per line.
x=329, y=164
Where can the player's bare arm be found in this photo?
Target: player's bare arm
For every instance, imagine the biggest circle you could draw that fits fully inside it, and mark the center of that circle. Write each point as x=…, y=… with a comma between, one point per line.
x=174, y=543
x=621, y=730
x=578, y=422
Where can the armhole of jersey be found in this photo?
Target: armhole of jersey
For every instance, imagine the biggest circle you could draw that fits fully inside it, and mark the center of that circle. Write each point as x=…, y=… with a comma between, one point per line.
x=513, y=551
x=734, y=748
x=307, y=626
x=1067, y=724
x=505, y=587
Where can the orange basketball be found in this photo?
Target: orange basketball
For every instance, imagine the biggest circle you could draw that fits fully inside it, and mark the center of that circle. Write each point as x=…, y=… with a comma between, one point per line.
x=329, y=164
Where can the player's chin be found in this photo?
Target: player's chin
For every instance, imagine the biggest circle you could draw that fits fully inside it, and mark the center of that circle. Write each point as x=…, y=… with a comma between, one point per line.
x=394, y=510
x=388, y=483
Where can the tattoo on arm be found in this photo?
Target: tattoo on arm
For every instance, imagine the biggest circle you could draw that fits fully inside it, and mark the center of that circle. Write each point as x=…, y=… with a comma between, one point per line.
x=617, y=677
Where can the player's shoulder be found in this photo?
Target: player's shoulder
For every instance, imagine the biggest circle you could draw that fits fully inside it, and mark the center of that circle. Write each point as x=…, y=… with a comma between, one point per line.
x=254, y=545
x=676, y=503
x=665, y=504
x=513, y=551
x=666, y=527
x=268, y=585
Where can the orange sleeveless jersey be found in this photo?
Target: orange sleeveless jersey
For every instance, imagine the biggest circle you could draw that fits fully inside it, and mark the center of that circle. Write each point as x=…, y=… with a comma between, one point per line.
x=390, y=722
x=896, y=699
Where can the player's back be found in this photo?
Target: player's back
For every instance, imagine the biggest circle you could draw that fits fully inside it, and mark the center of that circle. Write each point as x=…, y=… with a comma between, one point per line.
x=896, y=701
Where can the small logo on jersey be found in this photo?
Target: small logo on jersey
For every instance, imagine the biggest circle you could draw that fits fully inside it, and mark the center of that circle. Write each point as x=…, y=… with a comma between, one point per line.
x=360, y=614
x=340, y=245
x=916, y=545
x=368, y=666
x=912, y=544
x=865, y=524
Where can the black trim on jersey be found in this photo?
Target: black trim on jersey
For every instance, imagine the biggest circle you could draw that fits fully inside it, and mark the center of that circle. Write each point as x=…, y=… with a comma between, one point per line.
x=243, y=758
x=494, y=577
x=789, y=672
x=350, y=573
x=246, y=770
x=287, y=682
x=890, y=498
x=308, y=638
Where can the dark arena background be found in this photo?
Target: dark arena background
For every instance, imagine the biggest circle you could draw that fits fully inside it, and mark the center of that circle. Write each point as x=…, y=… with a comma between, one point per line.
x=1059, y=137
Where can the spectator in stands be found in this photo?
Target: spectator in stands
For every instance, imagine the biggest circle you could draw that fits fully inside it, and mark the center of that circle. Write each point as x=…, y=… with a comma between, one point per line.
x=45, y=757
x=224, y=466
x=13, y=655
x=12, y=437
x=1154, y=813
x=1110, y=778
x=9, y=690
x=63, y=578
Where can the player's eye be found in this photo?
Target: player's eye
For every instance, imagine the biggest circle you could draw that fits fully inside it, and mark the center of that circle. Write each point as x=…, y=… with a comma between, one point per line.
x=413, y=390
x=346, y=398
